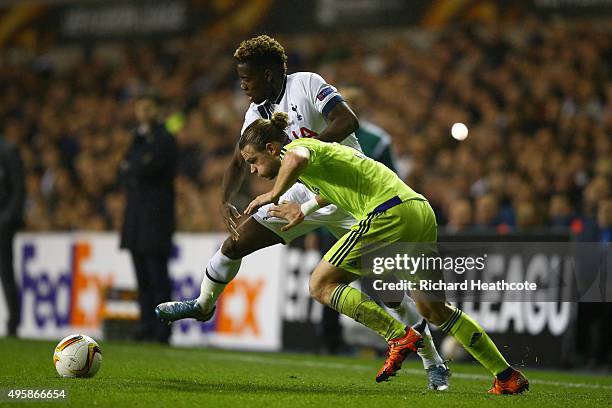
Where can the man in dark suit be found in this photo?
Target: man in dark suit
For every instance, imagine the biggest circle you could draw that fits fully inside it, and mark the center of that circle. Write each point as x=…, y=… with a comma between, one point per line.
x=12, y=197
x=148, y=173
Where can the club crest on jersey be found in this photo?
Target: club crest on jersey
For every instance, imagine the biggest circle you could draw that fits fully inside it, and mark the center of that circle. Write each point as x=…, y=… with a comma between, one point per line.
x=324, y=92
x=294, y=108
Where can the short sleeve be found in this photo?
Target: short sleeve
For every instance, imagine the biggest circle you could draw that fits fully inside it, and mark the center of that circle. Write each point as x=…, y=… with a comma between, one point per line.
x=323, y=95
x=301, y=146
x=301, y=151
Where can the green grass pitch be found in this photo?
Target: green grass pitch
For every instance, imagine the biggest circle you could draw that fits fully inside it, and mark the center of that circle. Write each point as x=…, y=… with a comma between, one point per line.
x=137, y=375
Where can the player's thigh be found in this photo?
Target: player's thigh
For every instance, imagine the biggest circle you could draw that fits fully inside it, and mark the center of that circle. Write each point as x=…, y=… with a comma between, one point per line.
x=252, y=236
x=401, y=230
x=365, y=239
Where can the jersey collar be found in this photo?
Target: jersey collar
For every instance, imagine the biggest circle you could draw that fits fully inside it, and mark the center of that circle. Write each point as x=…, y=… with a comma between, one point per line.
x=282, y=91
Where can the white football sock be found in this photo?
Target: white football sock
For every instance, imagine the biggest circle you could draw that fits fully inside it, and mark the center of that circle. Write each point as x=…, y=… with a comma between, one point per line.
x=407, y=313
x=219, y=272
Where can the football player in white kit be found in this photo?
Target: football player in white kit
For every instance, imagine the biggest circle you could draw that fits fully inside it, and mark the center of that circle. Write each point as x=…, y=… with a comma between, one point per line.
x=315, y=109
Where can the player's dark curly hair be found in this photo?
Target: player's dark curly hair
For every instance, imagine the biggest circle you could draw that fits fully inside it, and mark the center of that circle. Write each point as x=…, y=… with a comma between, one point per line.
x=263, y=51
x=264, y=131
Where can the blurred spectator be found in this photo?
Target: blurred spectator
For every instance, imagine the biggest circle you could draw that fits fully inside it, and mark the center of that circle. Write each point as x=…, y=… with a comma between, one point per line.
x=460, y=217
x=596, y=191
x=604, y=220
x=148, y=171
x=487, y=210
x=560, y=211
x=12, y=197
x=527, y=216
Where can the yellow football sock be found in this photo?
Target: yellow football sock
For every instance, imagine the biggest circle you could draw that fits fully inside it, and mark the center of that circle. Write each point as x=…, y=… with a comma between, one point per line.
x=474, y=339
x=359, y=307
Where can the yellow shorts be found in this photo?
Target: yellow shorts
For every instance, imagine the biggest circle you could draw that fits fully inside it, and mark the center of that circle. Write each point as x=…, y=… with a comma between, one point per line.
x=411, y=221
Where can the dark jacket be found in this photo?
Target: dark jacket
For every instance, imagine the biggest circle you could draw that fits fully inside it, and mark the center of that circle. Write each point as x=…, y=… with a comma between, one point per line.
x=12, y=186
x=148, y=172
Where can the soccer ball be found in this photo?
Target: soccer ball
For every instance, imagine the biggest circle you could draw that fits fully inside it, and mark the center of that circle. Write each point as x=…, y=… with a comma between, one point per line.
x=77, y=355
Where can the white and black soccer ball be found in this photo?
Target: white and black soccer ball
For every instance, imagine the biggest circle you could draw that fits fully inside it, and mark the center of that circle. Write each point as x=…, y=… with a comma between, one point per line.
x=77, y=355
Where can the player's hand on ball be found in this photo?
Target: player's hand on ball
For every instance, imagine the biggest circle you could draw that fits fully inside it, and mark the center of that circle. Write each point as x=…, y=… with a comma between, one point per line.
x=260, y=200
x=232, y=218
x=289, y=211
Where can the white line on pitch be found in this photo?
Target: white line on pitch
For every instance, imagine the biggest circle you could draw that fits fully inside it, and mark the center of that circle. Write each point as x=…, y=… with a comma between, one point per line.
x=322, y=364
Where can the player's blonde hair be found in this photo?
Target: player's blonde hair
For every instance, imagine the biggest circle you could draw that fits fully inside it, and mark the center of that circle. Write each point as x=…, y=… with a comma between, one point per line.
x=263, y=131
x=262, y=50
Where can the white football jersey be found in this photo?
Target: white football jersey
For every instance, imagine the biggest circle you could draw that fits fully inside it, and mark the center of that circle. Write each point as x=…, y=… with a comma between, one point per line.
x=308, y=99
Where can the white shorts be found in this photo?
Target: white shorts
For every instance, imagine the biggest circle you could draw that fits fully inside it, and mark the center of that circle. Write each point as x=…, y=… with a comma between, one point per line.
x=335, y=219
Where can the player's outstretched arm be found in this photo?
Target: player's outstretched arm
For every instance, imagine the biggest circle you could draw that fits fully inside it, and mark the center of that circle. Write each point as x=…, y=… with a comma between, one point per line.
x=342, y=122
x=232, y=181
x=292, y=166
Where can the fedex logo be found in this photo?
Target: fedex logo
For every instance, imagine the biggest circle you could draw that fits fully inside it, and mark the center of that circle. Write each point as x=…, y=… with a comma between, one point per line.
x=64, y=278
x=70, y=292
x=70, y=297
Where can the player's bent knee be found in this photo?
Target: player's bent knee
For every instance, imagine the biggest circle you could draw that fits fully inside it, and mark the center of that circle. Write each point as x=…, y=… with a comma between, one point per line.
x=324, y=280
x=321, y=289
x=315, y=288
x=424, y=311
x=252, y=237
x=232, y=249
x=433, y=312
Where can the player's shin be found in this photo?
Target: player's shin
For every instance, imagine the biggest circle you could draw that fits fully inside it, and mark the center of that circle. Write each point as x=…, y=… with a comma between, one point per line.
x=359, y=307
x=219, y=272
x=407, y=313
x=474, y=339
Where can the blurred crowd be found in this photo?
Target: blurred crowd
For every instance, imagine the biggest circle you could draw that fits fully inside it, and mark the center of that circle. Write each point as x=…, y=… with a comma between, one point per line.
x=536, y=97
